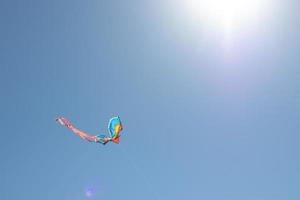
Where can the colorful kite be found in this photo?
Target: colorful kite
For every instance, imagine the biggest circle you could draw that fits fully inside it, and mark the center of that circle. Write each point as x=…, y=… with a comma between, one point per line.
x=114, y=128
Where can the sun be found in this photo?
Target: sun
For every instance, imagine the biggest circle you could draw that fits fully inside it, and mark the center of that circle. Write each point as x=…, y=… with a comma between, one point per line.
x=226, y=15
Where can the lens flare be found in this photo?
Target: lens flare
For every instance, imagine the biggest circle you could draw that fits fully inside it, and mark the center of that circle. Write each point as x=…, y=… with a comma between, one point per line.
x=89, y=192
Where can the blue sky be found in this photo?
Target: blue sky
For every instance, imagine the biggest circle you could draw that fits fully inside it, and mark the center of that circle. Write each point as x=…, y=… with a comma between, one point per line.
x=203, y=119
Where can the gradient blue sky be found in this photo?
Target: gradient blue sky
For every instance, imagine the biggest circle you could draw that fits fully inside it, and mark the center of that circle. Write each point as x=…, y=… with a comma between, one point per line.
x=203, y=119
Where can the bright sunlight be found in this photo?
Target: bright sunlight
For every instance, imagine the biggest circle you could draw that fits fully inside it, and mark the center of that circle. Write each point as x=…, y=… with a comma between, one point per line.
x=226, y=15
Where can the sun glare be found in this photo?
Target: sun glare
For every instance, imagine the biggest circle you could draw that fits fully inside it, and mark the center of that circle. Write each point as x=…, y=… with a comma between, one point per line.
x=227, y=15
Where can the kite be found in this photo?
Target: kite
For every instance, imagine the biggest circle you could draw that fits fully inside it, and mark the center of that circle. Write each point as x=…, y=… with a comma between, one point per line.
x=114, y=129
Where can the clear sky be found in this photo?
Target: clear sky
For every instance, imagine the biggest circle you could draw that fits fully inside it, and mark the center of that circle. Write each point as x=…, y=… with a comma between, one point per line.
x=210, y=111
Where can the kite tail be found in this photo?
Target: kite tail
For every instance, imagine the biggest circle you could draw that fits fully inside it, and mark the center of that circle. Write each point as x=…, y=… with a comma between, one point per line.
x=63, y=121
